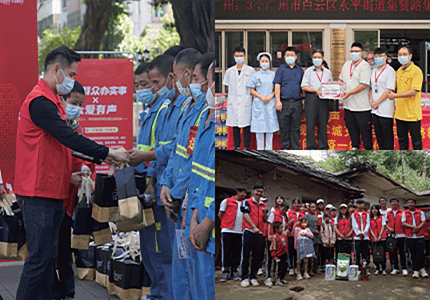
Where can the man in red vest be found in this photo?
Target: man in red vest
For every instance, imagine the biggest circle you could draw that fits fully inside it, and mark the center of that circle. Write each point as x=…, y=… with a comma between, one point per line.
x=413, y=220
x=395, y=227
x=361, y=224
x=44, y=168
x=231, y=233
x=254, y=219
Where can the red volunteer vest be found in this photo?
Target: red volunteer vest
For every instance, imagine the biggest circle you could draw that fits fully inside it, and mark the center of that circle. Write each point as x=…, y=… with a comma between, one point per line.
x=357, y=218
x=43, y=165
x=344, y=226
x=278, y=218
x=375, y=226
x=230, y=213
x=256, y=215
x=417, y=216
x=398, y=227
x=292, y=215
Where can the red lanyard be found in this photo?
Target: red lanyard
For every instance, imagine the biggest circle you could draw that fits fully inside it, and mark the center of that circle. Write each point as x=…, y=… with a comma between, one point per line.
x=376, y=77
x=351, y=70
x=320, y=79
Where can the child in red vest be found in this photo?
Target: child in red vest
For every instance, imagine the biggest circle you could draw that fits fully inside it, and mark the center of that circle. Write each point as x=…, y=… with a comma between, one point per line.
x=279, y=252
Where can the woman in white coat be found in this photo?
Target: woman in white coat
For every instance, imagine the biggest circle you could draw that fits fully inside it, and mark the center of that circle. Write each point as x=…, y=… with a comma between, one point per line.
x=263, y=116
x=239, y=101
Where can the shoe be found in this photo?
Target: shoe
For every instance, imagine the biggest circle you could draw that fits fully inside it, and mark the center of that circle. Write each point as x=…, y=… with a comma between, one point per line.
x=291, y=273
x=405, y=272
x=306, y=275
x=394, y=272
x=423, y=273
x=384, y=272
x=260, y=272
x=320, y=270
x=376, y=272
x=268, y=282
x=299, y=276
x=235, y=276
x=244, y=283
x=416, y=274
x=254, y=282
x=295, y=271
x=311, y=272
x=224, y=277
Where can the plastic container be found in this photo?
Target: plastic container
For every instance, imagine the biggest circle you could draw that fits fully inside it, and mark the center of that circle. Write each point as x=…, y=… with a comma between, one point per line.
x=330, y=272
x=353, y=273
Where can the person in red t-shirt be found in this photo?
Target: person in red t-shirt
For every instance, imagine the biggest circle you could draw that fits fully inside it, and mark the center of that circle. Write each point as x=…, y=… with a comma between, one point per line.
x=279, y=252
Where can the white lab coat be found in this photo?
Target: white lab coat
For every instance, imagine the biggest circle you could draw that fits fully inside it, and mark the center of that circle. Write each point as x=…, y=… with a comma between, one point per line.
x=239, y=103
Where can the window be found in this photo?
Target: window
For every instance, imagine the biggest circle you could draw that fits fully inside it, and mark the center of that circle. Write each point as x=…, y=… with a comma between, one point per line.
x=278, y=44
x=256, y=44
x=369, y=40
x=305, y=43
x=233, y=39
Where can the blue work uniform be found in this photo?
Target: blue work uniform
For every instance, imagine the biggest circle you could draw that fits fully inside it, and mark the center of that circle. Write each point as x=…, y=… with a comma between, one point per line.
x=176, y=177
x=263, y=116
x=201, y=194
x=151, y=253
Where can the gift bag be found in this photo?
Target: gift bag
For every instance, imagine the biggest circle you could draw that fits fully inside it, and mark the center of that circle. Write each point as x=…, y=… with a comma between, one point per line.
x=391, y=244
x=306, y=247
x=13, y=241
x=114, y=252
x=105, y=206
x=82, y=224
x=102, y=257
x=378, y=254
x=22, y=237
x=127, y=278
x=85, y=260
x=101, y=233
x=147, y=220
x=146, y=281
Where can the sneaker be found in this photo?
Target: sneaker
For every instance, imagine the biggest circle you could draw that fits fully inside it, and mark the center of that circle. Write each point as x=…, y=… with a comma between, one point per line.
x=405, y=272
x=376, y=272
x=416, y=274
x=306, y=275
x=235, y=276
x=299, y=276
x=394, y=272
x=423, y=273
x=268, y=282
x=320, y=270
x=224, y=277
x=260, y=272
x=291, y=273
x=244, y=283
x=254, y=282
x=384, y=272
x=311, y=272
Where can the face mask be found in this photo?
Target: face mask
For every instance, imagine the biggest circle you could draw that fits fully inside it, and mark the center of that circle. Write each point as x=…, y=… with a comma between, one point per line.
x=239, y=60
x=317, y=62
x=196, y=90
x=66, y=86
x=389, y=61
x=183, y=90
x=165, y=93
x=145, y=95
x=73, y=112
x=354, y=56
x=290, y=60
x=210, y=98
x=403, y=59
x=379, y=61
x=264, y=66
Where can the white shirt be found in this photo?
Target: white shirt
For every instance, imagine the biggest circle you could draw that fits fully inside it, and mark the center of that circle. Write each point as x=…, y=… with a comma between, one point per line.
x=355, y=227
x=237, y=227
x=400, y=235
x=384, y=213
x=386, y=80
x=423, y=218
x=310, y=77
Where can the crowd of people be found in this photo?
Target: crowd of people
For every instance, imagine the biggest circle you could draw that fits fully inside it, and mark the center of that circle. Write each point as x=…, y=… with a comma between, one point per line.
x=176, y=150
x=264, y=101
x=310, y=235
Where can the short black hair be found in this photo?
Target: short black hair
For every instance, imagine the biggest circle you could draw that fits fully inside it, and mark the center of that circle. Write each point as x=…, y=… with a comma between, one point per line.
x=239, y=188
x=352, y=205
x=415, y=201
x=188, y=58
x=77, y=88
x=258, y=186
x=359, y=201
x=174, y=50
x=276, y=225
x=318, y=51
x=394, y=199
x=143, y=68
x=163, y=64
x=382, y=198
x=378, y=51
x=357, y=44
x=292, y=49
x=62, y=55
x=239, y=49
x=326, y=215
x=407, y=47
x=296, y=199
x=285, y=204
x=205, y=61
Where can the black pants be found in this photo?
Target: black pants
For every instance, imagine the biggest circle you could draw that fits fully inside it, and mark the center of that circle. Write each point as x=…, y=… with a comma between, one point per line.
x=345, y=246
x=231, y=249
x=252, y=243
x=361, y=247
x=327, y=253
x=269, y=261
x=394, y=258
x=316, y=260
x=359, y=123
x=282, y=266
x=384, y=132
x=403, y=128
x=292, y=253
x=416, y=248
x=246, y=137
x=289, y=123
x=316, y=108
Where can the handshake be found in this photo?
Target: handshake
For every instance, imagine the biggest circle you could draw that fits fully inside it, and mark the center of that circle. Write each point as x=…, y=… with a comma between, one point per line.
x=132, y=157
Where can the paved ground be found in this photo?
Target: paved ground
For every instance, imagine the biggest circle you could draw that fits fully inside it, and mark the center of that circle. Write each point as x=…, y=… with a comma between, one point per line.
x=10, y=273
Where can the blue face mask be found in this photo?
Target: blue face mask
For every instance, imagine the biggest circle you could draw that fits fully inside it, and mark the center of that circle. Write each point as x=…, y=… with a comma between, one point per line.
x=165, y=93
x=145, y=95
x=403, y=59
x=196, y=90
x=354, y=56
x=379, y=61
x=290, y=60
x=264, y=66
x=73, y=112
x=239, y=60
x=317, y=62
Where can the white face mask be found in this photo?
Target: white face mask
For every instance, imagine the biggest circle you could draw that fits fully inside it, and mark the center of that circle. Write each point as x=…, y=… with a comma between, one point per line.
x=210, y=98
x=66, y=86
x=186, y=91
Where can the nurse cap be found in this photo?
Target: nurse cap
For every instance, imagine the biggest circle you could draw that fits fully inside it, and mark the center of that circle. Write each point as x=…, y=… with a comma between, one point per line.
x=261, y=53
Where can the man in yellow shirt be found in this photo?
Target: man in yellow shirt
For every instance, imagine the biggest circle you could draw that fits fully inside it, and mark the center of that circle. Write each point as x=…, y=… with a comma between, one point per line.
x=409, y=80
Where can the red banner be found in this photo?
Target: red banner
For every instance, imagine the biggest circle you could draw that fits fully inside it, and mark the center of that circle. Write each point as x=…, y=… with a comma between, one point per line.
x=18, y=74
x=108, y=109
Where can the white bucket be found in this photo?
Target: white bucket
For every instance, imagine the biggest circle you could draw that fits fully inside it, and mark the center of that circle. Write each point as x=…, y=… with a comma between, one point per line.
x=353, y=273
x=330, y=272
